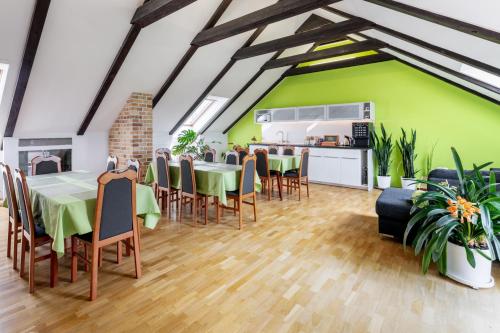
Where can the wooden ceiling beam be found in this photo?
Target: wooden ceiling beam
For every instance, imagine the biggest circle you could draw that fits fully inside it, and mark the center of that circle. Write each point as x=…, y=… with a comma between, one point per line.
x=189, y=53
x=274, y=13
x=155, y=10
x=324, y=54
x=323, y=34
x=446, y=21
x=30, y=49
x=369, y=59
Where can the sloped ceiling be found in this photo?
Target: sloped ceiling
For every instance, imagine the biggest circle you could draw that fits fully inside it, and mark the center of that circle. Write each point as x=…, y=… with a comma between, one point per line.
x=80, y=40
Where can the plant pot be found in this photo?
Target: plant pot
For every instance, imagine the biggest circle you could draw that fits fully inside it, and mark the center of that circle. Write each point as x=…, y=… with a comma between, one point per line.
x=383, y=182
x=408, y=183
x=459, y=269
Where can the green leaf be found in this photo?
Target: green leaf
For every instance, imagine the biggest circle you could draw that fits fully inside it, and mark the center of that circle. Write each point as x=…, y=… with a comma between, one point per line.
x=460, y=169
x=468, y=252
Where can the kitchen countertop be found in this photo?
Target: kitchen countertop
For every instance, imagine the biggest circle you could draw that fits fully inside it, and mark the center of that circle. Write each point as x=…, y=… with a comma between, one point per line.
x=308, y=146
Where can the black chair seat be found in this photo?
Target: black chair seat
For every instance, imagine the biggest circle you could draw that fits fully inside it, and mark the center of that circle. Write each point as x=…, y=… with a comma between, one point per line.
x=40, y=231
x=274, y=173
x=292, y=173
x=233, y=193
x=88, y=237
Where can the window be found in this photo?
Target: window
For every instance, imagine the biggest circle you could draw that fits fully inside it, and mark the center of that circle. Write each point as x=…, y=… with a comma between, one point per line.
x=3, y=78
x=480, y=75
x=207, y=109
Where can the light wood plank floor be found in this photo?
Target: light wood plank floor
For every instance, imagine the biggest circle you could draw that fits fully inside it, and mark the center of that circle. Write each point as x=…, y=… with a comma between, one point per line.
x=314, y=266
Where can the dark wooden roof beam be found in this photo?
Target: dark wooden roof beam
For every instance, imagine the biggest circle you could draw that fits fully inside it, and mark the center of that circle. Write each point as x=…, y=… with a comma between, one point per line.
x=155, y=10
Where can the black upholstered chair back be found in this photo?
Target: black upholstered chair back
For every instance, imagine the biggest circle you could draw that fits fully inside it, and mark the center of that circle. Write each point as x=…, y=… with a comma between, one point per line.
x=45, y=165
x=262, y=162
x=23, y=199
x=163, y=170
x=304, y=163
x=116, y=200
x=289, y=151
x=188, y=182
x=247, y=182
x=112, y=163
x=10, y=193
x=242, y=153
x=273, y=150
x=210, y=155
x=232, y=158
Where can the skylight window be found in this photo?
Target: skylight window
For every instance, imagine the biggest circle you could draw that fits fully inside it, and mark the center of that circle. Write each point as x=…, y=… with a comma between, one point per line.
x=3, y=78
x=480, y=75
x=207, y=109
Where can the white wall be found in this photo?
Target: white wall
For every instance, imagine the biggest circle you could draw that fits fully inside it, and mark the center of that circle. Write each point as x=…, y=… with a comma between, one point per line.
x=90, y=152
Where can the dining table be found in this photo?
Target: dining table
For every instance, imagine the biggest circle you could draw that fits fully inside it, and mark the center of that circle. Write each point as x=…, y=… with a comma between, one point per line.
x=283, y=163
x=212, y=178
x=65, y=204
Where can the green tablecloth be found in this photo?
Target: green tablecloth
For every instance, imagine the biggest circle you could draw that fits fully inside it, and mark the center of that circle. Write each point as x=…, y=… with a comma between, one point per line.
x=66, y=202
x=283, y=163
x=211, y=178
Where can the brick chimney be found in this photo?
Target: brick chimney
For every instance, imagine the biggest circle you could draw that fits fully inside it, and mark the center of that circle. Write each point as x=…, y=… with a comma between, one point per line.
x=131, y=136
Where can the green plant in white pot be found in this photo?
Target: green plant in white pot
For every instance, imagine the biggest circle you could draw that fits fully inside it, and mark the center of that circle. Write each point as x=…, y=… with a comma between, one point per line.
x=457, y=227
x=406, y=146
x=382, y=149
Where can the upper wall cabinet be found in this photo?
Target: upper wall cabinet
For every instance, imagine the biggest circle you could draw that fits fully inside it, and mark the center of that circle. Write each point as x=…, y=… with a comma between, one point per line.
x=351, y=111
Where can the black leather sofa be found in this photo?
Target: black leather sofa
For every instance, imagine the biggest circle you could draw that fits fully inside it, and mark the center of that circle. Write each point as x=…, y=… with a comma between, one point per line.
x=394, y=204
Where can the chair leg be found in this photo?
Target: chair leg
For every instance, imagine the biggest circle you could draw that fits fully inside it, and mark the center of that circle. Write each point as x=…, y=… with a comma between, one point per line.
x=268, y=181
x=23, y=255
x=74, y=259
x=307, y=186
x=127, y=247
x=206, y=209
x=54, y=268
x=217, y=210
x=119, y=249
x=180, y=210
x=194, y=202
x=100, y=256
x=9, y=238
x=137, y=255
x=280, y=180
x=86, y=254
x=299, y=186
x=16, y=242
x=31, y=269
x=169, y=205
x=234, y=206
x=94, y=266
x=240, y=211
x=254, y=207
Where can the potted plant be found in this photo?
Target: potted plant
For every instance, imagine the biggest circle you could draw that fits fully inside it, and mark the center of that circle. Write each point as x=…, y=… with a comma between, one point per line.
x=406, y=146
x=188, y=142
x=457, y=227
x=382, y=149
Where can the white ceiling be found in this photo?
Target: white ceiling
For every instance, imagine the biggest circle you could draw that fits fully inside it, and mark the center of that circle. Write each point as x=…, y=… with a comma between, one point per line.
x=81, y=38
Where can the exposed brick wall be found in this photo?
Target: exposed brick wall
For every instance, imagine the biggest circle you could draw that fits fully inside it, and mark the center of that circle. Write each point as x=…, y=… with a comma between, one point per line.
x=131, y=135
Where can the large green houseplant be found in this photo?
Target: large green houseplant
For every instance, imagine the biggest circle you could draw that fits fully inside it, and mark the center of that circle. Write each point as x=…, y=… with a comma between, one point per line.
x=457, y=227
x=188, y=142
x=406, y=146
x=382, y=149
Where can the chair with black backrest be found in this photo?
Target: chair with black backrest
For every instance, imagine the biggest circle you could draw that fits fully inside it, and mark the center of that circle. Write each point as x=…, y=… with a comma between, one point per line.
x=246, y=189
x=115, y=221
x=232, y=158
x=165, y=192
x=111, y=163
x=165, y=151
x=135, y=165
x=265, y=174
x=289, y=150
x=33, y=235
x=44, y=165
x=210, y=155
x=273, y=150
x=296, y=178
x=189, y=195
x=242, y=153
x=15, y=226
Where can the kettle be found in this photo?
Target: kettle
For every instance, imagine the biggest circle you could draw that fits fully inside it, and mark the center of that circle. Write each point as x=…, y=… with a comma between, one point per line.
x=347, y=140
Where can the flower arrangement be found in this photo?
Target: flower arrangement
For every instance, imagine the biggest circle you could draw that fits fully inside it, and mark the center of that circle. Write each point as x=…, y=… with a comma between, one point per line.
x=467, y=215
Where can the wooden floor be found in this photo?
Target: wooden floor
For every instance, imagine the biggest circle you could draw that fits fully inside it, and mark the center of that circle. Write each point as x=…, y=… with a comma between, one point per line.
x=314, y=266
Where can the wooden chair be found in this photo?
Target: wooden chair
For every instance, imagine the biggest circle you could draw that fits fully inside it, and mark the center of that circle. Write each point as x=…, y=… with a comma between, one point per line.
x=246, y=190
x=273, y=150
x=210, y=155
x=15, y=226
x=296, y=178
x=165, y=192
x=111, y=163
x=265, y=174
x=232, y=158
x=135, y=165
x=115, y=221
x=44, y=165
x=165, y=151
x=242, y=152
x=189, y=195
x=33, y=235
x=289, y=150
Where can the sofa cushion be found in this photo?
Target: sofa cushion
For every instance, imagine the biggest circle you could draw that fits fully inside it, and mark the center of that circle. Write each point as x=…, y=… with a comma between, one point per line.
x=395, y=203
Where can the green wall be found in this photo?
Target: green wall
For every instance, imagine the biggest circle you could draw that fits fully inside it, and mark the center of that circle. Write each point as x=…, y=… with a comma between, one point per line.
x=404, y=97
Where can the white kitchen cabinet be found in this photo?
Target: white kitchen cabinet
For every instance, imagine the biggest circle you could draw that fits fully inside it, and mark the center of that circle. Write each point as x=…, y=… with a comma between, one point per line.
x=332, y=170
x=350, y=173
x=315, y=168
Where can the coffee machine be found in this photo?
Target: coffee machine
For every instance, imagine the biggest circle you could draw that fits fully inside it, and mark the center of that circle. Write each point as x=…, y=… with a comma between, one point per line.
x=361, y=134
